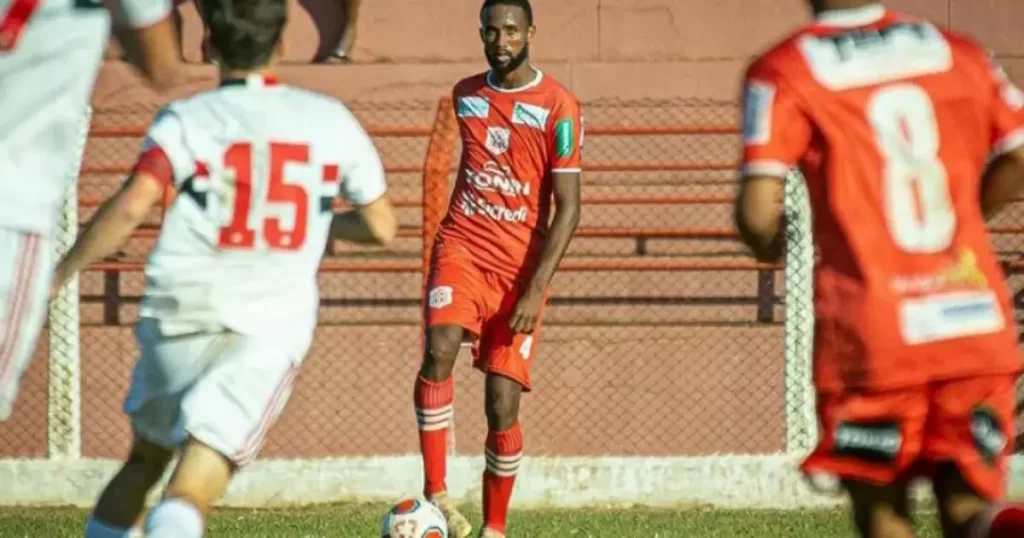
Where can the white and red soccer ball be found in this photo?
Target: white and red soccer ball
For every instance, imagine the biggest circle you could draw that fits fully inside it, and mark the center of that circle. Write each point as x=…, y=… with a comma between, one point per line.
x=414, y=518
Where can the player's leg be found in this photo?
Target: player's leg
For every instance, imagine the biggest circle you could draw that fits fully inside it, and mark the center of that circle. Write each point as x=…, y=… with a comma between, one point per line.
x=123, y=500
x=870, y=443
x=507, y=358
x=881, y=511
x=166, y=369
x=452, y=310
x=26, y=269
x=972, y=434
x=226, y=415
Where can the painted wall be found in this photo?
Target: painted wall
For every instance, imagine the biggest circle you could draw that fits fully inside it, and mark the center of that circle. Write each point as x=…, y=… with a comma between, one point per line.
x=414, y=50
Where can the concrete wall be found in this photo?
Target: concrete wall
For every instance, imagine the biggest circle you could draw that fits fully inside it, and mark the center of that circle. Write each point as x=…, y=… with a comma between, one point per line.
x=602, y=48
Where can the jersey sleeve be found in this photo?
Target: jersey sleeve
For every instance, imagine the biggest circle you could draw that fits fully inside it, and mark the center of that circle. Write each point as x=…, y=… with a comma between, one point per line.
x=776, y=128
x=565, y=135
x=142, y=13
x=165, y=155
x=1006, y=116
x=363, y=179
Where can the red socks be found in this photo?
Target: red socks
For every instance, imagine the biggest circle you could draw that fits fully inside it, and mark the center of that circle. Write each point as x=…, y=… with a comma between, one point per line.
x=1002, y=522
x=434, y=412
x=504, y=450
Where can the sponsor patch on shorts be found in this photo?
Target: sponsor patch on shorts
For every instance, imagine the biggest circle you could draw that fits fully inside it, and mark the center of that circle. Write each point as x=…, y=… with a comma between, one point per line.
x=878, y=442
x=989, y=438
x=440, y=297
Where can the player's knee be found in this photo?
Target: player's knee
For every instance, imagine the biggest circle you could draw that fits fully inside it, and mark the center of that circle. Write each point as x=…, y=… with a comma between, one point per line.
x=149, y=459
x=502, y=402
x=881, y=511
x=443, y=345
x=959, y=504
x=201, y=477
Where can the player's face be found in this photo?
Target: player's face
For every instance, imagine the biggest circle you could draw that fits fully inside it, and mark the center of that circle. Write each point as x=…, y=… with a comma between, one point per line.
x=506, y=35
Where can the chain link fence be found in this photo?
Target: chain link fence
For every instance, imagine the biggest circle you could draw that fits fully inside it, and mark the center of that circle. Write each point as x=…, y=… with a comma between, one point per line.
x=663, y=338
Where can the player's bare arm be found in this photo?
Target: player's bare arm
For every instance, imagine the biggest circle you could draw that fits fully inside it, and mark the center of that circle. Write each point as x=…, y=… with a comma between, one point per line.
x=112, y=225
x=566, y=190
x=151, y=44
x=1002, y=182
x=371, y=224
x=758, y=214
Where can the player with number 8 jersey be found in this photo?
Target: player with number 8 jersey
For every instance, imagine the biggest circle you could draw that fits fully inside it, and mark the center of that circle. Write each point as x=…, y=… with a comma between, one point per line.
x=892, y=122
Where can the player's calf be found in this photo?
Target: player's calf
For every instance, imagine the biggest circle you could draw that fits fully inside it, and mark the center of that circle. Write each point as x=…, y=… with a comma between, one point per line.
x=504, y=449
x=881, y=511
x=434, y=396
x=124, y=498
x=199, y=480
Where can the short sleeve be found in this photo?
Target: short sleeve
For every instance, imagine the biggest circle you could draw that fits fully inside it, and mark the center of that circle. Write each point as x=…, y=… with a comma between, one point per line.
x=565, y=135
x=164, y=152
x=776, y=128
x=363, y=179
x=142, y=13
x=1006, y=115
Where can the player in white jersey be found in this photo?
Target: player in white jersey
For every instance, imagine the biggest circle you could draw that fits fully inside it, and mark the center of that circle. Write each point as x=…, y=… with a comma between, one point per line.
x=231, y=293
x=50, y=53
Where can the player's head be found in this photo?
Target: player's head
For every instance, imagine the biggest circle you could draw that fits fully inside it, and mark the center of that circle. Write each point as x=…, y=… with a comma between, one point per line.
x=506, y=27
x=244, y=34
x=827, y=5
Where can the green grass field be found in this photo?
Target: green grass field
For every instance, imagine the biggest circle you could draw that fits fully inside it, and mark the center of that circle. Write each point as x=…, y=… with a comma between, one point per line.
x=361, y=521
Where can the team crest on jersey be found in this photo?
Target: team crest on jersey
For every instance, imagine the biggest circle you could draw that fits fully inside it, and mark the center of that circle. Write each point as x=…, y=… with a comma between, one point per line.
x=498, y=140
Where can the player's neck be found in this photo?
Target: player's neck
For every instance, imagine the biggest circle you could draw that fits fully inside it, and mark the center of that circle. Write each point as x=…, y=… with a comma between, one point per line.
x=242, y=74
x=517, y=78
x=843, y=5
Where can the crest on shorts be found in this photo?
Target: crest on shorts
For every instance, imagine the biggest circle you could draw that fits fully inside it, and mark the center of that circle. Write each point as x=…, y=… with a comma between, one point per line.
x=498, y=140
x=440, y=297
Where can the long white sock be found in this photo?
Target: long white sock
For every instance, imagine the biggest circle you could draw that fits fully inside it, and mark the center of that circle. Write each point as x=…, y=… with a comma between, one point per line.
x=174, y=518
x=98, y=529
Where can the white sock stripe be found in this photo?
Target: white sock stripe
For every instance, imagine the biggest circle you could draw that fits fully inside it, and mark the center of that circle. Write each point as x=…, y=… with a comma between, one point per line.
x=434, y=427
x=504, y=457
x=430, y=411
x=434, y=418
x=503, y=467
x=503, y=474
x=433, y=422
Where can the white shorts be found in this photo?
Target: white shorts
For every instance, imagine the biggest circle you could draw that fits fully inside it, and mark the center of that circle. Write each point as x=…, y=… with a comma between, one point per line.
x=224, y=389
x=26, y=270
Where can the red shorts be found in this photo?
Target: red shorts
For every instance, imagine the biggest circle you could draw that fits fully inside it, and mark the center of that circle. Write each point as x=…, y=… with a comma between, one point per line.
x=481, y=302
x=881, y=437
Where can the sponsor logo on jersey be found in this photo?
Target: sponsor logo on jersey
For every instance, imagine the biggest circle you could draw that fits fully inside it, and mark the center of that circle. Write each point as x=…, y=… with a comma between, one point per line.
x=963, y=273
x=565, y=137
x=870, y=441
x=497, y=140
x=471, y=206
x=497, y=178
x=530, y=115
x=474, y=107
x=757, y=112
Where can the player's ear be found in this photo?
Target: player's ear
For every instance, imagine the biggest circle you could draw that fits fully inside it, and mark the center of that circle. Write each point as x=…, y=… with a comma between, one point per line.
x=530, y=32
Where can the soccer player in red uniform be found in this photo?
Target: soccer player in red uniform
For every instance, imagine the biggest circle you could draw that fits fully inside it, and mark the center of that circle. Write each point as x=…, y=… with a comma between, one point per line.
x=495, y=252
x=908, y=136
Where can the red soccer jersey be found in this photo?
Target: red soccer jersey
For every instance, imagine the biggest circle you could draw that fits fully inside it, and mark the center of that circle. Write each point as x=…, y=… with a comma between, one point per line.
x=512, y=142
x=892, y=121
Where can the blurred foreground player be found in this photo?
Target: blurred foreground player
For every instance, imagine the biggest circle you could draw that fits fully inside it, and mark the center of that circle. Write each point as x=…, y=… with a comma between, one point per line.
x=892, y=121
x=496, y=253
x=231, y=294
x=50, y=53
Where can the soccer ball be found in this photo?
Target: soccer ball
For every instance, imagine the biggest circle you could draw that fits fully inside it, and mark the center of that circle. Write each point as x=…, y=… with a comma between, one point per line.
x=414, y=518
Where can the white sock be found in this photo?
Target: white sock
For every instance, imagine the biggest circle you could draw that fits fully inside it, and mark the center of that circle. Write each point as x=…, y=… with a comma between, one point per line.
x=98, y=529
x=174, y=518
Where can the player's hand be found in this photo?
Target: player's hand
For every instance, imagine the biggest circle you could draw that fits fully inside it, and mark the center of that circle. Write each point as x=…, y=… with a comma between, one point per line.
x=527, y=312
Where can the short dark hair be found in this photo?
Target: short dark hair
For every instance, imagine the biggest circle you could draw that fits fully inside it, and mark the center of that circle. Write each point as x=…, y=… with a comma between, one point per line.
x=524, y=4
x=244, y=33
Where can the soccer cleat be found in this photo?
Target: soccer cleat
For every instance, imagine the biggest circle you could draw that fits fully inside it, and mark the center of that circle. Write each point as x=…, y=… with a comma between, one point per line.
x=458, y=525
x=490, y=533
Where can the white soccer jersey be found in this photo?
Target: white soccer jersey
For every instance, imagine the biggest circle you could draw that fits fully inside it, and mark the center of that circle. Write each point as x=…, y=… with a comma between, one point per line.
x=256, y=166
x=50, y=53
